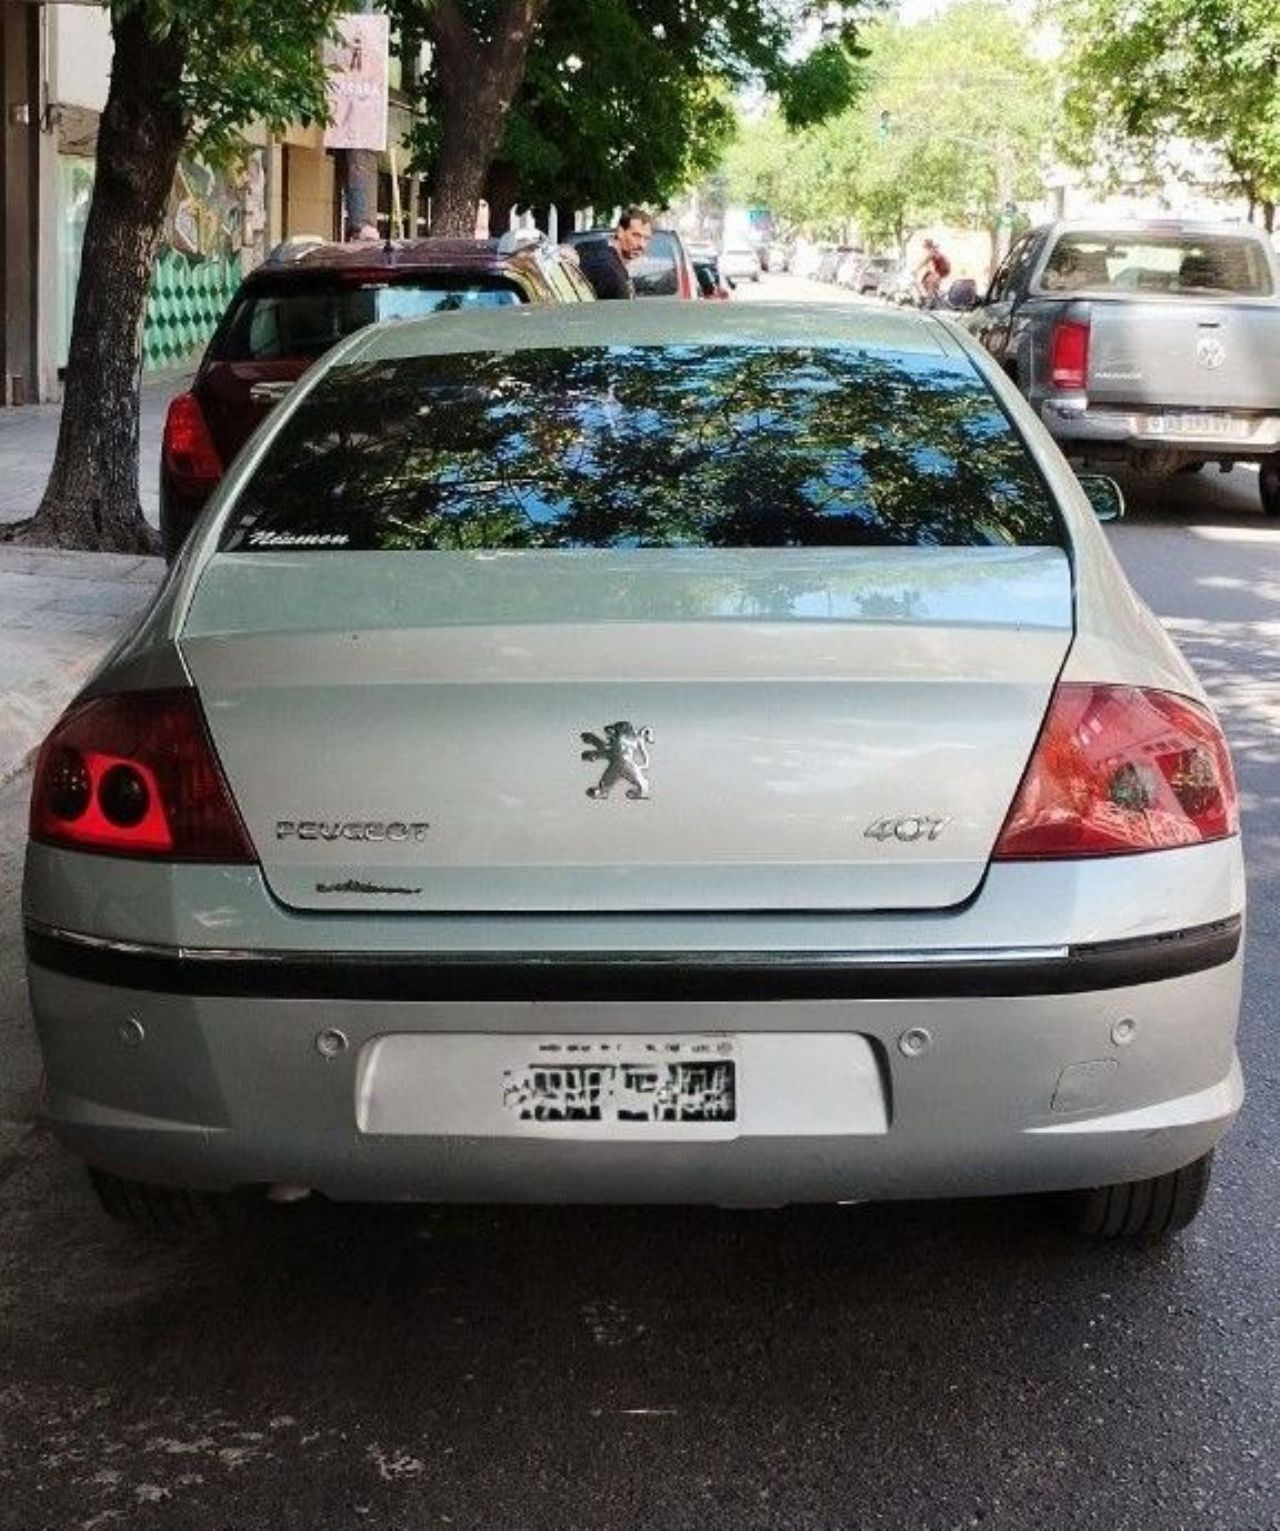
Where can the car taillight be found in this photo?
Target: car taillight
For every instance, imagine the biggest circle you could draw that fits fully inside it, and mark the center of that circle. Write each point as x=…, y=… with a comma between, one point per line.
x=688, y=286
x=1069, y=354
x=1119, y=769
x=188, y=449
x=136, y=775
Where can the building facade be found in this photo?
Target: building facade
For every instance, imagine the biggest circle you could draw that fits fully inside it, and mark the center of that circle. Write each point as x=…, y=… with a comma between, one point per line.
x=55, y=63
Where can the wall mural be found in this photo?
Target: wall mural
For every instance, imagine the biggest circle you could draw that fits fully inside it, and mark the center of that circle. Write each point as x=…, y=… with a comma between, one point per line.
x=214, y=230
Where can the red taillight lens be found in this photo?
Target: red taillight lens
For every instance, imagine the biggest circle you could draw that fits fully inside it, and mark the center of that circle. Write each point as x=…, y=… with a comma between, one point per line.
x=1118, y=770
x=1069, y=355
x=136, y=775
x=189, y=452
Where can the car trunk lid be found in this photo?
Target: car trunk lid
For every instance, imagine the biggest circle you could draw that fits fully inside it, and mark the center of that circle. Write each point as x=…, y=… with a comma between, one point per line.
x=812, y=729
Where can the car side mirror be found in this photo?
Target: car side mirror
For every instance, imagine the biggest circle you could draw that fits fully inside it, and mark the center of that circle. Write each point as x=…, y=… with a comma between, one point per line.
x=1104, y=494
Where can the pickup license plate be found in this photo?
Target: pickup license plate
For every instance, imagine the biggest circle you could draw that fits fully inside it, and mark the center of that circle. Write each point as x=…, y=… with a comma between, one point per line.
x=625, y=1081
x=1200, y=426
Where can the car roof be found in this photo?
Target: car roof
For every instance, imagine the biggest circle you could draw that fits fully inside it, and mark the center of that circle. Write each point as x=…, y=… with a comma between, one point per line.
x=655, y=322
x=425, y=255
x=604, y=231
x=1131, y=226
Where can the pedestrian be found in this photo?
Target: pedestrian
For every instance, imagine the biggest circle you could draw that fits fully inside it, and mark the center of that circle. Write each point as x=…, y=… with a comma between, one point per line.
x=604, y=262
x=932, y=271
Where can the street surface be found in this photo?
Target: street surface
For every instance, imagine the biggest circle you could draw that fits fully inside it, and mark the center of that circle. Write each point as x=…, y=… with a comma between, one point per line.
x=911, y=1367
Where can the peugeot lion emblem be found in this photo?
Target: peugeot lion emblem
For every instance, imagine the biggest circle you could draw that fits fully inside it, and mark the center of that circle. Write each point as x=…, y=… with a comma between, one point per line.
x=626, y=750
x=1210, y=352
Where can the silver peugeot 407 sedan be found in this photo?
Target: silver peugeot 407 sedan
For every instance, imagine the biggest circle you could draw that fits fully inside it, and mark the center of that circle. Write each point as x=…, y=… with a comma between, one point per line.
x=643, y=753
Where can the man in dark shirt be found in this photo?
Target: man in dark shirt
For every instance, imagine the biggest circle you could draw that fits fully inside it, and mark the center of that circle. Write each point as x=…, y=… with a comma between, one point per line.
x=604, y=261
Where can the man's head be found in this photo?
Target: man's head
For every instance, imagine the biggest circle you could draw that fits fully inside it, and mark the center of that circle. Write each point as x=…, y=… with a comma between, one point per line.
x=930, y=246
x=632, y=233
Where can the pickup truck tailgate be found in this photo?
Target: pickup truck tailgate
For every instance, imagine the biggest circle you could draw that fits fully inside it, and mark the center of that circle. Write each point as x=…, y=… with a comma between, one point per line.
x=1201, y=355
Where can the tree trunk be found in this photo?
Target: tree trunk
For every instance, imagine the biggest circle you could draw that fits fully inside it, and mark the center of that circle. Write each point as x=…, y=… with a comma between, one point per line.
x=359, y=190
x=478, y=82
x=91, y=500
x=1269, y=216
x=501, y=192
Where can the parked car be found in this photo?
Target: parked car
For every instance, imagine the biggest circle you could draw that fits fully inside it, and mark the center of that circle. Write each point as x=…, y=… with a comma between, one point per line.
x=806, y=258
x=288, y=312
x=712, y=282
x=876, y=273
x=1155, y=344
x=829, y=265
x=849, y=269
x=664, y=761
x=663, y=271
x=741, y=262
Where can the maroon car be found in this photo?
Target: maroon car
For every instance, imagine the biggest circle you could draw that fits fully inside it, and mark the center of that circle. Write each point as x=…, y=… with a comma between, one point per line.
x=289, y=312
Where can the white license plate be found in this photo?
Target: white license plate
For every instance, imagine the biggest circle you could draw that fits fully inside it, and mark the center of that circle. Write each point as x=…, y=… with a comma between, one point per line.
x=1201, y=426
x=623, y=1087
x=625, y=1080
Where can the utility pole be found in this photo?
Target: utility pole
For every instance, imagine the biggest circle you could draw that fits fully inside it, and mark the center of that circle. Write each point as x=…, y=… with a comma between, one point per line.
x=1004, y=197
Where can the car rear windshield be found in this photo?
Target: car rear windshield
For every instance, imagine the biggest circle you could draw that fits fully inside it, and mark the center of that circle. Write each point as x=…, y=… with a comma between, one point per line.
x=1179, y=263
x=726, y=446
x=655, y=273
x=306, y=319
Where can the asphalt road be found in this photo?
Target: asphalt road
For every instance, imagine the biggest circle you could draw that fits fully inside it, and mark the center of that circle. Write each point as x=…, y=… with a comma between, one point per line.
x=919, y=1368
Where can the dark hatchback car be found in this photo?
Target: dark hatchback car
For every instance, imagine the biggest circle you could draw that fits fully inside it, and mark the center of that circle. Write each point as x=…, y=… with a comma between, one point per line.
x=663, y=271
x=287, y=314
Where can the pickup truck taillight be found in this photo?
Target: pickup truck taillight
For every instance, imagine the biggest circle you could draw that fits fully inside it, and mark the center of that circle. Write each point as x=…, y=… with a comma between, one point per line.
x=1069, y=355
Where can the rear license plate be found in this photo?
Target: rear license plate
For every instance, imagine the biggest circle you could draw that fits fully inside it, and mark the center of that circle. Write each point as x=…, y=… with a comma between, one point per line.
x=625, y=1081
x=619, y=1087
x=1198, y=425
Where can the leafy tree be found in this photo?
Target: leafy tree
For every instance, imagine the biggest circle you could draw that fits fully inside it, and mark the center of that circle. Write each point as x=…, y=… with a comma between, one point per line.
x=951, y=127
x=1144, y=74
x=618, y=100
x=478, y=54
x=185, y=73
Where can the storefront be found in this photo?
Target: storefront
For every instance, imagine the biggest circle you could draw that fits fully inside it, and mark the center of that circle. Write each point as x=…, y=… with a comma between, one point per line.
x=20, y=179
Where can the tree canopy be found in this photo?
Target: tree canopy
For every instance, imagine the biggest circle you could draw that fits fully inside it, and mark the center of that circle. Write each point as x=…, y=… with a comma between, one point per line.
x=953, y=124
x=627, y=100
x=242, y=61
x=1147, y=76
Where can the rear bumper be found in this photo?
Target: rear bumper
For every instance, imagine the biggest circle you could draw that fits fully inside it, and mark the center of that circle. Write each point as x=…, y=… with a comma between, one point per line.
x=1077, y=425
x=178, y=514
x=987, y=1088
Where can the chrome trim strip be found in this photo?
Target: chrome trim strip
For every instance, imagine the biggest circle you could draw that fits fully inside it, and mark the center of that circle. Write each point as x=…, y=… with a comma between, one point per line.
x=737, y=958
x=745, y=977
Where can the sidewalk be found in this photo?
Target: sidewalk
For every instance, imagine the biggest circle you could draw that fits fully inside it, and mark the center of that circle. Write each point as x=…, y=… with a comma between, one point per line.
x=28, y=437
x=61, y=612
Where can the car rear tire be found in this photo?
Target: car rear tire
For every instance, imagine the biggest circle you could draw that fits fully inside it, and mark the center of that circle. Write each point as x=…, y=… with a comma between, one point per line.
x=1142, y=1209
x=162, y=1211
x=1269, y=486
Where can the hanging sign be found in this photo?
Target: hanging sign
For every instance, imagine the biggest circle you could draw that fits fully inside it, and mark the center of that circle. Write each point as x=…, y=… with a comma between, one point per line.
x=356, y=62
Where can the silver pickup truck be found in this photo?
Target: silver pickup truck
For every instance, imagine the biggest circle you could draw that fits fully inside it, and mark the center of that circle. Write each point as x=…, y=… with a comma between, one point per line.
x=1153, y=344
